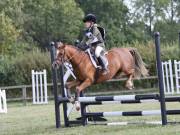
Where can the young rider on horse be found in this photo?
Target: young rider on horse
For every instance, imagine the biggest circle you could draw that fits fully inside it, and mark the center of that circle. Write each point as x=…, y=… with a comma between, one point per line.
x=93, y=38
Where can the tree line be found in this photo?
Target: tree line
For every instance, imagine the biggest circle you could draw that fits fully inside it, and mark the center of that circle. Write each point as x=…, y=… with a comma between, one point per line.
x=25, y=23
x=28, y=23
x=27, y=26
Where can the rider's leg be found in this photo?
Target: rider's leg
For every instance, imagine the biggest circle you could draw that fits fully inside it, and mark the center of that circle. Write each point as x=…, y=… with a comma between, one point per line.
x=100, y=54
x=104, y=61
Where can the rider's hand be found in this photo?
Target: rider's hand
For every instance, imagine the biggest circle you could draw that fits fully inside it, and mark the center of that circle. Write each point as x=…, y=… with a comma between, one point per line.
x=83, y=46
x=77, y=42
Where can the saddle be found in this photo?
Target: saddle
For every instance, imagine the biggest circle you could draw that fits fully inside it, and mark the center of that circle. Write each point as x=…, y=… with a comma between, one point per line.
x=93, y=58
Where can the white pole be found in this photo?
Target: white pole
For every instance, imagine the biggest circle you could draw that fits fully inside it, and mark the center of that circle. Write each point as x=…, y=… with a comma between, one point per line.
x=171, y=77
x=33, y=87
x=3, y=102
x=167, y=77
x=37, y=87
x=45, y=86
x=176, y=74
x=70, y=69
x=41, y=88
x=164, y=83
x=66, y=75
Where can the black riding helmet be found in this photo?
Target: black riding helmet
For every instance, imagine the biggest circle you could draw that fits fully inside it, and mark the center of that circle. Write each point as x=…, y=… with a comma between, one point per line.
x=90, y=17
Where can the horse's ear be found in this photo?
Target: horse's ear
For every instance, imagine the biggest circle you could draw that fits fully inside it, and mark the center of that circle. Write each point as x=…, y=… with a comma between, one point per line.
x=60, y=45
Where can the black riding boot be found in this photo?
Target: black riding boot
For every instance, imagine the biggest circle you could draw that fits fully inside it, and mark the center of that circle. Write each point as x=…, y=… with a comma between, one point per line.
x=102, y=65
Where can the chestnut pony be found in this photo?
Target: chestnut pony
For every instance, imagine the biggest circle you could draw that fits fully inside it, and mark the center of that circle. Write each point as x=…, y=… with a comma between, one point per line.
x=121, y=60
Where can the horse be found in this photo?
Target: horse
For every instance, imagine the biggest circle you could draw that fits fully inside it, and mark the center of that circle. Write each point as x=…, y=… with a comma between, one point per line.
x=121, y=60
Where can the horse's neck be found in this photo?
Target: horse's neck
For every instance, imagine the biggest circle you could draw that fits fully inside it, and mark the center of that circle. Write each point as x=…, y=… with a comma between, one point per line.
x=74, y=55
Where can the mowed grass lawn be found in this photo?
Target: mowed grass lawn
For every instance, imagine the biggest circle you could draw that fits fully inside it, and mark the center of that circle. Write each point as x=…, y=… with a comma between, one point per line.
x=40, y=120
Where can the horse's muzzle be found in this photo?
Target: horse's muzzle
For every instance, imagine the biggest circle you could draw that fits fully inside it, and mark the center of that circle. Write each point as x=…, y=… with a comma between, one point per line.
x=56, y=64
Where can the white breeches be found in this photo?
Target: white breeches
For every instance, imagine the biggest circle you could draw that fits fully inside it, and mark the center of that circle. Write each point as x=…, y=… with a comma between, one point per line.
x=98, y=51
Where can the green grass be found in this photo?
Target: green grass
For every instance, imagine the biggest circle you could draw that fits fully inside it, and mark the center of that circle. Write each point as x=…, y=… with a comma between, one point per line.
x=40, y=120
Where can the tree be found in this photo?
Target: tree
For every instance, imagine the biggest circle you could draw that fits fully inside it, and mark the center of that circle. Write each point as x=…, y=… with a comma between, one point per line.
x=178, y=9
x=8, y=34
x=148, y=11
x=13, y=9
x=172, y=11
x=52, y=20
x=169, y=31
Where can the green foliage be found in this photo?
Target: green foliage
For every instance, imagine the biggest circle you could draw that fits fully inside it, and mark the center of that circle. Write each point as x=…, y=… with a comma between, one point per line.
x=52, y=20
x=8, y=33
x=147, y=51
x=137, y=31
x=28, y=24
x=16, y=71
x=13, y=9
x=168, y=30
x=151, y=11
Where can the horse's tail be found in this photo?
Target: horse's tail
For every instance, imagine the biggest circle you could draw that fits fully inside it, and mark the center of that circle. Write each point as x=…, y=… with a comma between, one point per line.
x=140, y=68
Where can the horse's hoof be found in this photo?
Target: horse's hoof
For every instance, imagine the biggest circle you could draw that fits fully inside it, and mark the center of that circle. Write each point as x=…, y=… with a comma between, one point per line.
x=78, y=107
x=130, y=88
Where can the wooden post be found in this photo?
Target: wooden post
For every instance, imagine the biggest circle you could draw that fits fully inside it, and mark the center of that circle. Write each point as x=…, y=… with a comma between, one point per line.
x=24, y=95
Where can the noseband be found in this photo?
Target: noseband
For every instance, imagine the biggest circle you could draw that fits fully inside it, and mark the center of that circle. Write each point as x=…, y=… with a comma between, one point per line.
x=62, y=58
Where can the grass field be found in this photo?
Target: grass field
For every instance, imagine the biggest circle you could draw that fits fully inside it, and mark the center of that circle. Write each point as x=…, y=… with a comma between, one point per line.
x=40, y=120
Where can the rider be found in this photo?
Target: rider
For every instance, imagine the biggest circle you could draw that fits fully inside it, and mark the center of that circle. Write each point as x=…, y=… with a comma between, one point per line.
x=93, y=38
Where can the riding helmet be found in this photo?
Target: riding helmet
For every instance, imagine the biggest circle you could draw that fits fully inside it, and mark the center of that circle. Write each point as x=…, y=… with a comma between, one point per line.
x=90, y=17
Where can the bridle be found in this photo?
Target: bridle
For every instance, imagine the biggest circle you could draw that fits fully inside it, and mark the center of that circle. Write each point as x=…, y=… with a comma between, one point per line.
x=62, y=58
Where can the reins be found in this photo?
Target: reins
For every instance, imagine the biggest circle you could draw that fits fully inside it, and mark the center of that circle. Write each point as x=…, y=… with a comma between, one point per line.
x=68, y=60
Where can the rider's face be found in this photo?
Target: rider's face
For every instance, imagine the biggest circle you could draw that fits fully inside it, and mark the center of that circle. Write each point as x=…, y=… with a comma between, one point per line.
x=87, y=24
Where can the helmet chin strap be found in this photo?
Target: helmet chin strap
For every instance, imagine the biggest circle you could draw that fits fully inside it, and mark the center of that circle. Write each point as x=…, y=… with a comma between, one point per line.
x=92, y=23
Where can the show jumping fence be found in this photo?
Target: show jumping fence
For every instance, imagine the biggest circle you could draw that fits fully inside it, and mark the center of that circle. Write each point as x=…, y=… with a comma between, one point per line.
x=39, y=87
x=86, y=101
x=171, y=78
x=3, y=104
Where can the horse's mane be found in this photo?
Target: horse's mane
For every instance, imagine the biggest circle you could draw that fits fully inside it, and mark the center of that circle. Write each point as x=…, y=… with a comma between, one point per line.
x=74, y=47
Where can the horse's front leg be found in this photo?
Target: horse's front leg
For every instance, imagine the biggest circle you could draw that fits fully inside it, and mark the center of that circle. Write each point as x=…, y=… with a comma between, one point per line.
x=80, y=88
x=70, y=85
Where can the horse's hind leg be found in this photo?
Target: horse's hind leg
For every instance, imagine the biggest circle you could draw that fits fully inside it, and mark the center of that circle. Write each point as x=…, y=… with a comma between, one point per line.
x=129, y=82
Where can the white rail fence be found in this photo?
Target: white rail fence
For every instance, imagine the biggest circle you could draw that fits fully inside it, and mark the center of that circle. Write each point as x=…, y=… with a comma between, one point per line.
x=3, y=103
x=177, y=74
x=171, y=77
x=39, y=87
